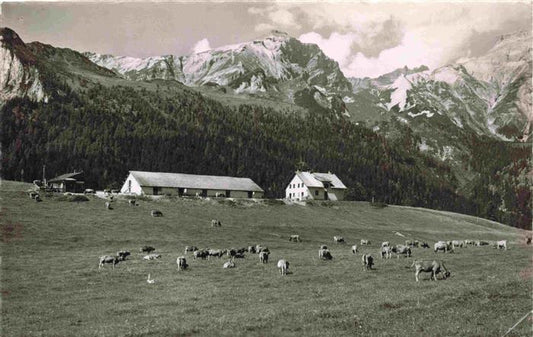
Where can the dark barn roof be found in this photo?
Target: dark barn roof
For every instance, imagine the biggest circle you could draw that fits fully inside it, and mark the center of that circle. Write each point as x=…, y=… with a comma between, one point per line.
x=66, y=176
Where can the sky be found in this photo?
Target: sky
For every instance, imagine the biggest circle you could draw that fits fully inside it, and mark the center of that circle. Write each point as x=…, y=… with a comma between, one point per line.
x=366, y=39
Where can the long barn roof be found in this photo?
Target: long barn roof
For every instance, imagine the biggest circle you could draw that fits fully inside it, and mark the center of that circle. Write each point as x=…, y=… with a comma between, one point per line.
x=175, y=180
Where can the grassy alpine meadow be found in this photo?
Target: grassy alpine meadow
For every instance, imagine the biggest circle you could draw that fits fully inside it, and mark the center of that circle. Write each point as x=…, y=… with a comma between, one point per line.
x=51, y=285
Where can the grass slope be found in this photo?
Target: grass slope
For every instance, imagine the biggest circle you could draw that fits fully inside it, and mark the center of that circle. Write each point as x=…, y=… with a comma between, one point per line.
x=51, y=285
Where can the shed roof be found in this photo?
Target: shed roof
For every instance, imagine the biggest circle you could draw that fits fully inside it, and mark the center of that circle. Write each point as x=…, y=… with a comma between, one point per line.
x=317, y=179
x=66, y=176
x=182, y=180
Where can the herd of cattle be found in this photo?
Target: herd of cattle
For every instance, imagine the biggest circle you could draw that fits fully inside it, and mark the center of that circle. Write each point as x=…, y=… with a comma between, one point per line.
x=386, y=251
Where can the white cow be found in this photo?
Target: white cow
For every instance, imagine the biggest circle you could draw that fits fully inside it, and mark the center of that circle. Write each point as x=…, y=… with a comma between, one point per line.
x=434, y=267
x=354, y=249
x=502, y=244
x=283, y=266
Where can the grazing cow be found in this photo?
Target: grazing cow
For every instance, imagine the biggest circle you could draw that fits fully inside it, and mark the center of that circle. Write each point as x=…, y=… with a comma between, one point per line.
x=386, y=252
x=324, y=254
x=401, y=249
x=354, y=249
x=323, y=247
x=469, y=242
x=385, y=244
x=295, y=238
x=231, y=252
x=368, y=261
x=502, y=244
x=457, y=243
x=229, y=264
x=108, y=205
x=190, y=249
x=251, y=249
x=480, y=243
x=239, y=255
x=424, y=245
x=155, y=213
x=365, y=242
x=283, y=266
x=216, y=223
x=108, y=259
x=122, y=254
x=182, y=263
x=152, y=256
x=338, y=239
x=442, y=245
x=215, y=252
x=132, y=202
x=263, y=257
x=434, y=267
x=201, y=254
x=242, y=250
x=147, y=249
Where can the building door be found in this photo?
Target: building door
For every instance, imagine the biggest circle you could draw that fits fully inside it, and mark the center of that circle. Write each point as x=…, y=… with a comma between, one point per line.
x=181, y=191
x=326, y=195
x=156, y=190
x=204, y=193
x=250, y=194
x=228, y=193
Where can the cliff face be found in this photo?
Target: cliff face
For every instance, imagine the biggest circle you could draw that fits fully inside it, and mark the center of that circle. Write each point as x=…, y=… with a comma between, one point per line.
x=18, y=75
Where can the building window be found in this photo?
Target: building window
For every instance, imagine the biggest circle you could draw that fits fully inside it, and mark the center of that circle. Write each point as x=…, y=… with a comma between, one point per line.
x=316, y=193
x=289, y=195
x=302, y=194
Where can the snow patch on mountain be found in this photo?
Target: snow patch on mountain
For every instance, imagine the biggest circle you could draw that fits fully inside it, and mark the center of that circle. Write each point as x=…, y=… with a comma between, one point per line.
x=425, y=112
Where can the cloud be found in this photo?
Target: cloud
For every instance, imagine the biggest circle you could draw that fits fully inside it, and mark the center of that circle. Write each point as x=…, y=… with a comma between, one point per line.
x=370, y=39
x=201, y=46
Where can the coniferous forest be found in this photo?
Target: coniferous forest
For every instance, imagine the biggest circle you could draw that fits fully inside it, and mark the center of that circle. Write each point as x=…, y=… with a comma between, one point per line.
x=107, y=131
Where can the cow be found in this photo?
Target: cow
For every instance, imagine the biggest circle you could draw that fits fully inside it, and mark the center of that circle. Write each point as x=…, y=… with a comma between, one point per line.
x=434, y=267
x=323, y=247
x=231, y=252
x=365, y=242
x=295, y=238
x=216, y=223
x=368, y=261
x=263, y=257
x=480, y=243
x=338, y=239
x=33, y=194
x=182, y=263
x=132, y=202
x=424, y=245
x=354, y=249
x=108, y=205
x=122, y=254
x=229, y=264
x=385, y=244
x=200, y=254
x=215, y=252
x=263, y=249
x=251, y=249
x=37, y=198
x=156, y=213
x=283, y=266
x=401, y=249
x=239, y=255
x=152, y=256
x=458, y=243
x=442, y=245
x=324, y=254
x=469, y=242
x=386, y=252
x=147, y=249
x=502, y=244
x=190, y=249
x=108, y=259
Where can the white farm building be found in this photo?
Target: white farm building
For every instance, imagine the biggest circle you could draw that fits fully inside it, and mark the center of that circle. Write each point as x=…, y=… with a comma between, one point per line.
x=315, y=186
x=180, y=184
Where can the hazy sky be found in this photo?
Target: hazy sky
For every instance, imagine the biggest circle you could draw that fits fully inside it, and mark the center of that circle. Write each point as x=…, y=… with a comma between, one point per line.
x=366, y=39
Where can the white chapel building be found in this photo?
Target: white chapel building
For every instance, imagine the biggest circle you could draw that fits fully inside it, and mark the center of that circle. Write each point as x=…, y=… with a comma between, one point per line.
x=315, y=186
